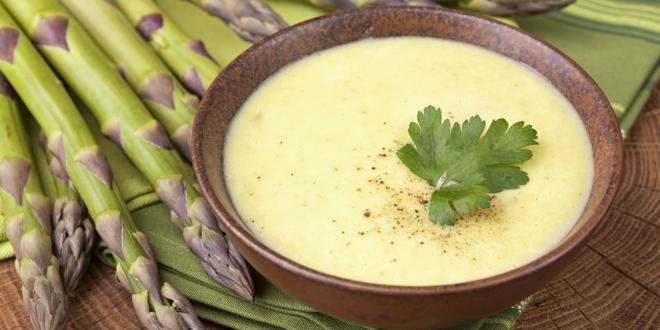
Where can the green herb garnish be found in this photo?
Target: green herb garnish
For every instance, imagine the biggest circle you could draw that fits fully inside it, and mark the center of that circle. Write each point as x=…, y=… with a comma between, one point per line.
x=462, y=165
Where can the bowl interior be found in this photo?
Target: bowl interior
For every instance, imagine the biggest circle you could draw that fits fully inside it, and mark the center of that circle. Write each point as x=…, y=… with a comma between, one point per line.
x=239, y=79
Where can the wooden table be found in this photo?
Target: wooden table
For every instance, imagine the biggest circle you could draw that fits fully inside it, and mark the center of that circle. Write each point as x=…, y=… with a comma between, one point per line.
x=614, y=283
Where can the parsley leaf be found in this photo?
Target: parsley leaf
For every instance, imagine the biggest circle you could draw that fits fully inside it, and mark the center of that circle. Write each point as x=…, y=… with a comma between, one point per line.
x=462, y=165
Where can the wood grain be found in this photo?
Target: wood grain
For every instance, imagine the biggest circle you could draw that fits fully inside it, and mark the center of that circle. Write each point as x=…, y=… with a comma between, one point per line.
x=614, y=283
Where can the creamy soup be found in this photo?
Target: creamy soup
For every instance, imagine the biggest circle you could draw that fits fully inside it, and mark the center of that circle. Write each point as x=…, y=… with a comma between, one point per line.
x=311, y=166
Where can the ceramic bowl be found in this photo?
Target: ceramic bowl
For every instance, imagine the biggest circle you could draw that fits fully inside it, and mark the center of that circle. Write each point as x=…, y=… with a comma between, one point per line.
x=403, y=307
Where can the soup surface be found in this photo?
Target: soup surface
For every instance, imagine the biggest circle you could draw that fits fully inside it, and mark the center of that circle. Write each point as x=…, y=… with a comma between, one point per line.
x=311, y=166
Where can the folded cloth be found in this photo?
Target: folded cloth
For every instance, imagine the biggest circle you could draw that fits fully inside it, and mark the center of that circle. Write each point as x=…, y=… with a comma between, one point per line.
x=617, y=42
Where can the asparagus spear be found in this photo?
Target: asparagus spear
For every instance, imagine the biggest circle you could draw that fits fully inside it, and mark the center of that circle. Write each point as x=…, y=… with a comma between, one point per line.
x=186, y=57
x=352, y=4
x=252, y=20
x=168, y=101
x=490, y=7
x=158, y=305
x=512, y=7
x=27, y=214
x=73, y=231
x=125, y=120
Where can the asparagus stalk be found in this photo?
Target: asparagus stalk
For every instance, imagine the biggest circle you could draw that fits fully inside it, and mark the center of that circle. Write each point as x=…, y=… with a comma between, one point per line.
x=27, y=214
x=186, y=57
x=352, y=4
x=513, y=7
x=490, y=7
x=168, y=101
x=252, y=20
x=73, y=231
x=158, y=305
x=125, y=120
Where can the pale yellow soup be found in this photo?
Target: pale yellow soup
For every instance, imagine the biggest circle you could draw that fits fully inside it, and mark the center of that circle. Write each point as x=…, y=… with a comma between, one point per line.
x=311, y=166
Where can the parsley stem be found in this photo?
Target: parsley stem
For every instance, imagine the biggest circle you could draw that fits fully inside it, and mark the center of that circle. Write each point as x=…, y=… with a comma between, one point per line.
x=441, y=181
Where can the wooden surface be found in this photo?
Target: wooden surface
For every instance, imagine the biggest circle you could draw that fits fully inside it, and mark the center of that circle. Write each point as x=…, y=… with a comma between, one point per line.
x=614, y=283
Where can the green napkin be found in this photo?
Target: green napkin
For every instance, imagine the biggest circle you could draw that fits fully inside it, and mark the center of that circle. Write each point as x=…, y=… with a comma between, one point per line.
x=617, y=42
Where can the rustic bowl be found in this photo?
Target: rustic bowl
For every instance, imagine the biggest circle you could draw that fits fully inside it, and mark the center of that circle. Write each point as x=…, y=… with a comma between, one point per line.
x=388, y=306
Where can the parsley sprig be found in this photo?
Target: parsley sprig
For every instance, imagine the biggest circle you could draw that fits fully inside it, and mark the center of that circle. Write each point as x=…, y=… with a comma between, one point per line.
x=462, y=165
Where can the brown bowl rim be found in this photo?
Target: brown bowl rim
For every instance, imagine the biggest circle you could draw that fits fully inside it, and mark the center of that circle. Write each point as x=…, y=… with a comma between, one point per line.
x=537, y=265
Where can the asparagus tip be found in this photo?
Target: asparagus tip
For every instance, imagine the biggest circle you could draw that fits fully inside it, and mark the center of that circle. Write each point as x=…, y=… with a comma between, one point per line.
x=173, y=193
x=146, y=272
x=218, y=261
x=74, y=237
x=43, y=296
